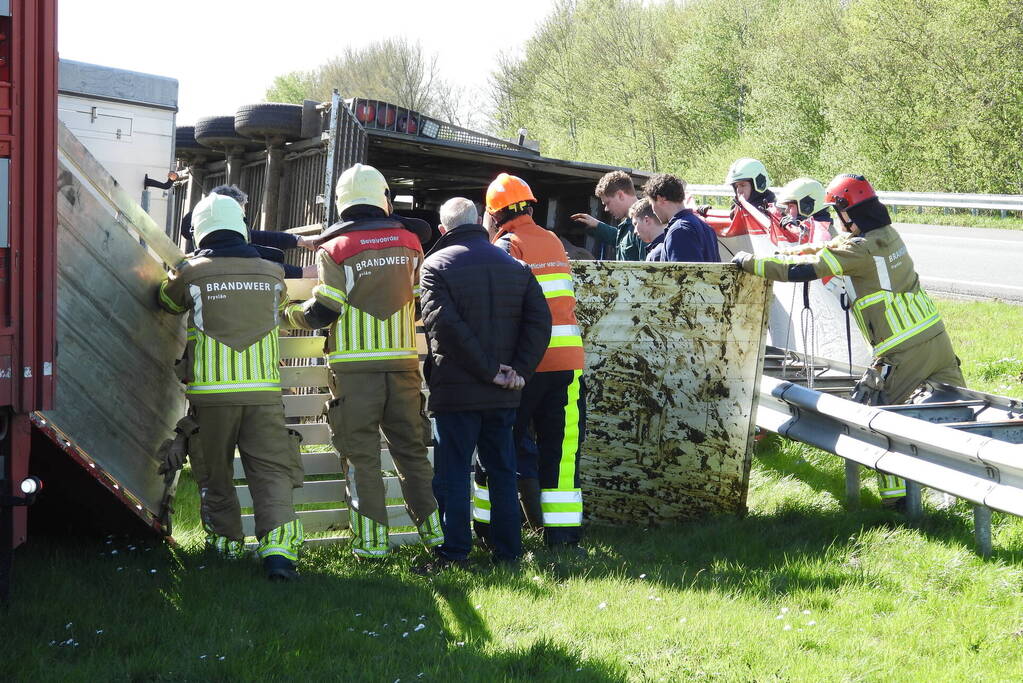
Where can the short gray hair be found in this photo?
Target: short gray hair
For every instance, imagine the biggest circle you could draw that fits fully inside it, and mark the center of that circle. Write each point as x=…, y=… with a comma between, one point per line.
x=458, y=211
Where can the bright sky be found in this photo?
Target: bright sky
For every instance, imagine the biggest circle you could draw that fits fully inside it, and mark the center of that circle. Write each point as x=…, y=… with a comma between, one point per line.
x=224, y=53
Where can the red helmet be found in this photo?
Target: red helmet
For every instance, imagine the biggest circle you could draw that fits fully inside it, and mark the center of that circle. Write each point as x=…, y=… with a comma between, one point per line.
x=848, y=190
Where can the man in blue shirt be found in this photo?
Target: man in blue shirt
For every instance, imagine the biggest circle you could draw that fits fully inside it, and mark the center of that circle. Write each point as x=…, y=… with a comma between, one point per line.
x=688, y=237
x=649, y=228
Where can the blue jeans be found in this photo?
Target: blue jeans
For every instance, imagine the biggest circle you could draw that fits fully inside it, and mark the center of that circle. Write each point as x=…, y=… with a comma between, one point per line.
x=458, y=434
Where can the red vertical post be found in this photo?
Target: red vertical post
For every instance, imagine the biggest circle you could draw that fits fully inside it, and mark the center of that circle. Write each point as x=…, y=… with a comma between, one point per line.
x=28, y=149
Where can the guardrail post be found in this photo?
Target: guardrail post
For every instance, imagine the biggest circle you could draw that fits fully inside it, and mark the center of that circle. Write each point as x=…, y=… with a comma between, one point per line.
x=982, y=529
x=852, y=484
x=914, y=502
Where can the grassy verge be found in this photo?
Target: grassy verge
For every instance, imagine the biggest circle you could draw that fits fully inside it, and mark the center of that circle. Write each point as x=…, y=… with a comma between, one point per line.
x=798, y=590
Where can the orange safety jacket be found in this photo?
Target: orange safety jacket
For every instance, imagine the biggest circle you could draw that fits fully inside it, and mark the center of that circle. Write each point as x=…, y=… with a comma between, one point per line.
x=543, y=252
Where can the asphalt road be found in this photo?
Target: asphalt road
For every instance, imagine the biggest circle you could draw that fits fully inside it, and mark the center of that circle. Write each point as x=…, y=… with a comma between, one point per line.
x=974, y=263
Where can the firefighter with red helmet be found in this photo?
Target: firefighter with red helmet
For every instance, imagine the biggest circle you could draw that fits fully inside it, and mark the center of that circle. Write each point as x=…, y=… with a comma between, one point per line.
x=894, y=313
x=552, y=406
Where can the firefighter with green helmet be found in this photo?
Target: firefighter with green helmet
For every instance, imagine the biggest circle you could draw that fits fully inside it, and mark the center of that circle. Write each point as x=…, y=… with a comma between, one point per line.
x=896, y=316
x=234, y=300
x=368, y=266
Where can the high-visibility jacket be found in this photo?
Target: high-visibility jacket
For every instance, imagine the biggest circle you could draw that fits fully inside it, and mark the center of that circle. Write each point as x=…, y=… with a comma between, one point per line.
x=891, y=309
x=543, y=252
x=369, y=281
x=234, y=308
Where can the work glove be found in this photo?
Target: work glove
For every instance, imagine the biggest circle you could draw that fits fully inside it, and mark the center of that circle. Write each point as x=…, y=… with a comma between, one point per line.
x=703, y=209
x=741, y=257
x=790, y=222
x=171, y=455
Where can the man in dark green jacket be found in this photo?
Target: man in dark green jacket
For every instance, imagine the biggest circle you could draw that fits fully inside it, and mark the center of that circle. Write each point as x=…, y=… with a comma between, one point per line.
x=617, y=193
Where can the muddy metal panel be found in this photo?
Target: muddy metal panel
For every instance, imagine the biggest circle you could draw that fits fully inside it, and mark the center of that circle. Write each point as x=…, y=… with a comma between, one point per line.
x=118, y=397
x=674, y=354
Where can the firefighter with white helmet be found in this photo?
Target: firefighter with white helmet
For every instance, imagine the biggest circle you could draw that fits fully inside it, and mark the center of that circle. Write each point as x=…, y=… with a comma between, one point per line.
x=233, y=300
x=368, y=266
x=894, y=313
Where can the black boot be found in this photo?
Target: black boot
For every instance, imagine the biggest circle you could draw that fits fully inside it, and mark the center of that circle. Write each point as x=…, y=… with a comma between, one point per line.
x=279, y=568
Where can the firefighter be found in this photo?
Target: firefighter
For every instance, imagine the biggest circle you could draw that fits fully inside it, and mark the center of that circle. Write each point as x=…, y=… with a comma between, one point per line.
x=368, y=266
x=234, y=299
x=804, y=215
x=749, y=180
x=897, y=317
x=552, y=407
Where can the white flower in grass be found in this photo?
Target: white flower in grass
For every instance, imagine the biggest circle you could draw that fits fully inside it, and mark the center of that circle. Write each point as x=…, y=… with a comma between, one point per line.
x=602, y=605
x=787, y=627
x=784, y=610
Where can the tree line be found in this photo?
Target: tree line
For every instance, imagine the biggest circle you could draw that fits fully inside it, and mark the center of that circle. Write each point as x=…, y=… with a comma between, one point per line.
x=918, y=95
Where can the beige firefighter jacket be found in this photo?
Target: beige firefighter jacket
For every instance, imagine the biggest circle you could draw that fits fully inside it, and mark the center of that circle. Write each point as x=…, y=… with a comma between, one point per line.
x=369, y=281
x=891, y=309
x=234, y=307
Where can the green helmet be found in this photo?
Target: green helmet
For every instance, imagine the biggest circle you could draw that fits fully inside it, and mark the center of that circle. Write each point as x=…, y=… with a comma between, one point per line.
x=217, y=212
x=807, y=193
x=751, y=170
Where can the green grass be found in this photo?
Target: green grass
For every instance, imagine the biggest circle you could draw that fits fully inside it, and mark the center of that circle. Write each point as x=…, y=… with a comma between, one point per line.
x=986, y=336
x=798, y=590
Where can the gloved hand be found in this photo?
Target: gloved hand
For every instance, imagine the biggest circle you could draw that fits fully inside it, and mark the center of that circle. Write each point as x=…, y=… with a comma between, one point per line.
x=172, y=454
x=790, y=222
x=741, y=257
x=703, y=209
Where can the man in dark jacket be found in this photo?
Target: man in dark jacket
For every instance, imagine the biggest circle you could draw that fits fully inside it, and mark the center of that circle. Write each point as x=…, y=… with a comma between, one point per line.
x=688, y=237
x=488, y=325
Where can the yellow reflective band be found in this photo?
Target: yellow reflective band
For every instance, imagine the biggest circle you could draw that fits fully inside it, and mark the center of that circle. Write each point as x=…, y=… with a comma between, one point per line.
x=331, y=293
x=895, y=340
x=556, y=284
x=561, y=342
x=831, y=261
x=570, y=441
x=167, y=301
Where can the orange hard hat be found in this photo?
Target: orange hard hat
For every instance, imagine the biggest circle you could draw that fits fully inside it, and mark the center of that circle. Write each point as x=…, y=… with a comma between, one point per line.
x=507, y=190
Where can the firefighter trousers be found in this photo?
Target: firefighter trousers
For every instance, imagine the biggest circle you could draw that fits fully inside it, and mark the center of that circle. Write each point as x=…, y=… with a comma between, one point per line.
x=899, y=374
x=553, y=414
x=272, y=463
x=364, y=405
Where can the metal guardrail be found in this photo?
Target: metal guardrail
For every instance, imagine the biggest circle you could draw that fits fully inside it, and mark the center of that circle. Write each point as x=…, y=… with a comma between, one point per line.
x=985, y=471
x=941, y=200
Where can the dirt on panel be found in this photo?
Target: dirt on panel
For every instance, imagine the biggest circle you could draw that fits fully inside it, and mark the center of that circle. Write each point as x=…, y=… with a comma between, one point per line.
x=674, y=353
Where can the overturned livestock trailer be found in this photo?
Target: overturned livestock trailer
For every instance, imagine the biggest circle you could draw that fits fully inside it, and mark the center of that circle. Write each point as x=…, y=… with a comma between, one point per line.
x=674, y=351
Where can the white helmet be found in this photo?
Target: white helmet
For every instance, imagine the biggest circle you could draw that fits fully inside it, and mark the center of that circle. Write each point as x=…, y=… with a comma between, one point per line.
x=360, y=184
x=217, y=212
x=751, y=170
x=807, y=193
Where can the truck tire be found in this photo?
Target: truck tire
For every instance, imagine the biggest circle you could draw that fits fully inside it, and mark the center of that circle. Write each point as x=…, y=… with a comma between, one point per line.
x=185, y=146
x=269, y=119
x=217, y=132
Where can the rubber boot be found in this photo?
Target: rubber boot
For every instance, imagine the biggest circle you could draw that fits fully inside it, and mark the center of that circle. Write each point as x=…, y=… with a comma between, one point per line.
x=529, y=498
x=279, y=568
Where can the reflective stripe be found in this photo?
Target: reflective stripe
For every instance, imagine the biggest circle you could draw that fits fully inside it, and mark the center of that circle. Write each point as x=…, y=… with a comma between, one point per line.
x=197, y=304
x=565, y=335
x=480, y=503
x=231, y=388
x=331, y=293
x=882, y=273
x=167, y=301
x=897, y=339
x=556, y=284
x=561, y=497
x=563, y=518
x=343, y=357
x=831, y=261
x=759, y=264
x=570, y=443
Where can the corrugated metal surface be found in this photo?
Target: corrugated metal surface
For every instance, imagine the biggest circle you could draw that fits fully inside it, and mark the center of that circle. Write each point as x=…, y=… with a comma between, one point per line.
x=673, y=360
x=118, y=397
